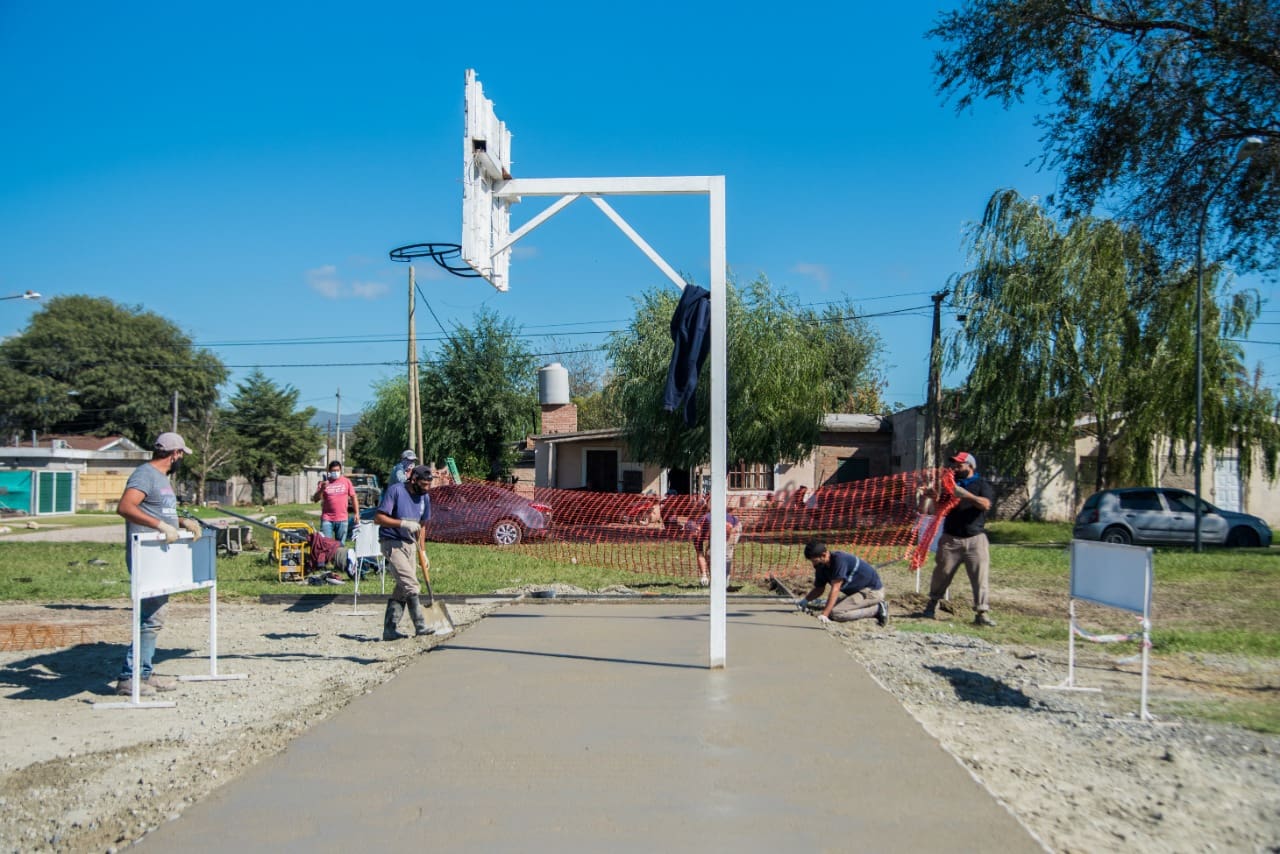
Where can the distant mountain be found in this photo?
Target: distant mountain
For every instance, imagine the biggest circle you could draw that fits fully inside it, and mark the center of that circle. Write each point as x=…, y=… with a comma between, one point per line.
x=325, y=420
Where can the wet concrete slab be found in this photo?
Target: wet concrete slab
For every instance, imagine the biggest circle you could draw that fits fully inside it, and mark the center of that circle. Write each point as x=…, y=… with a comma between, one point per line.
x=590, y=727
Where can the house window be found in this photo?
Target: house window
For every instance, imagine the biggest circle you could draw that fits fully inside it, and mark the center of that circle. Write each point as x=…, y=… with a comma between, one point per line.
x=755, y=476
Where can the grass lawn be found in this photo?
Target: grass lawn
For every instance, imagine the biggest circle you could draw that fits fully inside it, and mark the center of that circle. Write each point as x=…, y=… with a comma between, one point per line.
x=1220, y=602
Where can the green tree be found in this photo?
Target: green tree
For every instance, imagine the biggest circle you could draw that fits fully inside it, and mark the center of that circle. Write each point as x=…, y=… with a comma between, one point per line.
x=851, y=355
x=1145, y=105
x=589, y=377
x=479, y=397
x=87, y=365
x=785, y=372
x=215, y=447
x=382, y=433
x=275, y=436
x=1084, y=321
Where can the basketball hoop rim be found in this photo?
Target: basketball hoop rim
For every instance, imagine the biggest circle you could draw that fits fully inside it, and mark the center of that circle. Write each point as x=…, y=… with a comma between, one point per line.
x=441, y=253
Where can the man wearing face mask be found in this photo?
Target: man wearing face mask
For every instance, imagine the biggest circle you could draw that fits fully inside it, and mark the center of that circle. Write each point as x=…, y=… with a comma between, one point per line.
x=964, y=541
x=149, y=504
x=404, y=509
x=337, y=497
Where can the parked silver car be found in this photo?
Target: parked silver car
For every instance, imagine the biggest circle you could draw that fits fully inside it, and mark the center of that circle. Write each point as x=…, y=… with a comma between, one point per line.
x=1160, y=516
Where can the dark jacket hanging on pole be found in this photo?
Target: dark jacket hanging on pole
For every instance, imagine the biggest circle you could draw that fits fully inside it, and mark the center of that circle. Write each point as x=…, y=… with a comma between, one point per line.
x=690, y=335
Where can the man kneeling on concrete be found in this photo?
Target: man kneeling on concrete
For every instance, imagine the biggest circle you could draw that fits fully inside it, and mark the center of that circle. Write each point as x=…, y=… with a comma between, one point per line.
x=856, y=588
x=404, y=509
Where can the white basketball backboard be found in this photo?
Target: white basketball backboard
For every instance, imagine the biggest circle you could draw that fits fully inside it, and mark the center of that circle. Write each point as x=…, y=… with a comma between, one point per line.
x=486, y=162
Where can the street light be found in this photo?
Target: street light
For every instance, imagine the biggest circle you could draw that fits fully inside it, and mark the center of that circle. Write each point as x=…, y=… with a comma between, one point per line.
x=23, y=295
x=1243, y=153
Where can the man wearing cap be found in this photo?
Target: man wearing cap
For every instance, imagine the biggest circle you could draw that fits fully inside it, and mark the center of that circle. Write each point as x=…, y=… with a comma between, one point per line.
x=149, y=504
x=400, y=473
x=404, y=509
x=964, y=540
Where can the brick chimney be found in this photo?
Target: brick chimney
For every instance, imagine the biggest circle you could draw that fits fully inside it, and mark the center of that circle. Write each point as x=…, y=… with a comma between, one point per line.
x=559, y=418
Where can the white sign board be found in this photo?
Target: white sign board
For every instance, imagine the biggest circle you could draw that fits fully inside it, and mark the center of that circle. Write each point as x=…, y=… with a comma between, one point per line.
x=1113, y=575
x=160, y=567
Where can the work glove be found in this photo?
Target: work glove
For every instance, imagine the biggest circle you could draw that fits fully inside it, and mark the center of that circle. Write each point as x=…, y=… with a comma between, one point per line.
x=410, y=527
x=191, y=525
x=170, y=533
x=824, y=619
x=802, y=604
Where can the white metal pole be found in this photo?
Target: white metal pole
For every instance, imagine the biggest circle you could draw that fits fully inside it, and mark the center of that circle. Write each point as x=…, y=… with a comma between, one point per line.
x=719, y=435
x=1071, y=643
x=213, y=630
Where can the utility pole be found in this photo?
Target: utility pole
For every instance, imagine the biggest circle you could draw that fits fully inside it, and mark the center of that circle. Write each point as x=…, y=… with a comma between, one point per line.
x=175, y=411
x=415, y=408
x=337, y=445
x=934, y=414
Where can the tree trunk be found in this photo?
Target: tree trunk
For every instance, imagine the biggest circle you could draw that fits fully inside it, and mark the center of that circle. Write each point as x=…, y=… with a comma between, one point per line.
x=1102, y=478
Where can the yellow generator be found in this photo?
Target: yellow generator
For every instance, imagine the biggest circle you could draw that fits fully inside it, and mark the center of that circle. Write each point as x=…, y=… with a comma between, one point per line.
x=291, y=550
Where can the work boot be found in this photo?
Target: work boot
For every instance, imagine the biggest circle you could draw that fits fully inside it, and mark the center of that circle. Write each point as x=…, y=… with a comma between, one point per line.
x=419, y=618
x=982, y=619
x=882, y=613
x=124, y=687
x=931, y=610
x=161, y=683
x=391, y=619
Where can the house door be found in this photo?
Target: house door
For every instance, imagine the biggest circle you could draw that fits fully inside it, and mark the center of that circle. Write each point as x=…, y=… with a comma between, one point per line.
x=602, y=471
x=55, y=492
x=678, y=481
x=1226, y=483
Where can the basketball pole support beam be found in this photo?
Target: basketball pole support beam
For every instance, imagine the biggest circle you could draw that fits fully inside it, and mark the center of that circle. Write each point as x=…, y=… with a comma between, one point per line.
x=713, y=187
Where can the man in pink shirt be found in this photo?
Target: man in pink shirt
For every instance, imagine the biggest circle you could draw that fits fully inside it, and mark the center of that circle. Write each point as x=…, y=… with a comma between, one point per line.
x=337, y=497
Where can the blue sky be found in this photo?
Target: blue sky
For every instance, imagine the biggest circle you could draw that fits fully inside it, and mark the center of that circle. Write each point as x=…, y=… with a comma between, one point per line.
x=243, y=169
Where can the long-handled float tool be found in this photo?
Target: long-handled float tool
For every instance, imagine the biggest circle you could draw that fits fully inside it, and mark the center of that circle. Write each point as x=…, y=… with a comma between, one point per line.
x=437, y=614
x=289, y=536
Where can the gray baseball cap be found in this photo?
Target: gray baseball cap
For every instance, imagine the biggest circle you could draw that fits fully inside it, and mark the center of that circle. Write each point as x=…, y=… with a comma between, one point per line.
x=171, y=442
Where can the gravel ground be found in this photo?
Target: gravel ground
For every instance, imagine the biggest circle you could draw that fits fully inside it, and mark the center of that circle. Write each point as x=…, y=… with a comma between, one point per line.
x=1079, y=769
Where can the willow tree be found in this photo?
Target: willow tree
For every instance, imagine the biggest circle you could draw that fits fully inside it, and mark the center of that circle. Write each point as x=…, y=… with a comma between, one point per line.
x=787, y=367
x=1143, y=106
x=1081, y=328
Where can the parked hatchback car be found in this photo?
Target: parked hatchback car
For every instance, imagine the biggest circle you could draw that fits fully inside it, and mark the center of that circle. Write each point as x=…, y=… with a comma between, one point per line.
x=479, y=513
x=1164, y=516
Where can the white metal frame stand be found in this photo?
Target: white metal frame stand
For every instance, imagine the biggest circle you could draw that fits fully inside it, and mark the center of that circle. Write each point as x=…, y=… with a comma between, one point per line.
x=160, y=568
x=362, y=540
x=1118, y=577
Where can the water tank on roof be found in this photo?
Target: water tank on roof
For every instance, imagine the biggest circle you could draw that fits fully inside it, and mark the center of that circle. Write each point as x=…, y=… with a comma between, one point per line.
x=553, y=385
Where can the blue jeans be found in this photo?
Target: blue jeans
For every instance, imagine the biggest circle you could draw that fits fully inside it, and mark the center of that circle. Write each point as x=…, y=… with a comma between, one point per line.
x=334, y=530
x=152, y=621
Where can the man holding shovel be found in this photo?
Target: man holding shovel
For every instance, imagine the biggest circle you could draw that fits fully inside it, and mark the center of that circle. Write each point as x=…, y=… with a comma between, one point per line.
x=401, y=514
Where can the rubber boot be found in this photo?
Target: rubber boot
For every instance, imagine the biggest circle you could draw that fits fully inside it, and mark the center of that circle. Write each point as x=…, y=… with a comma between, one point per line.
x=395, y=610
x=419, y=618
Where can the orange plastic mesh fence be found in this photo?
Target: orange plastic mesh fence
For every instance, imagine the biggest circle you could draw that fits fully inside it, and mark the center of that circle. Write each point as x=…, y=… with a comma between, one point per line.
x=878, y=519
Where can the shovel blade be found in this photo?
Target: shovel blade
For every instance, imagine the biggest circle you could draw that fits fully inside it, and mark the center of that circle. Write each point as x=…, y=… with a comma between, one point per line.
x=438, y=619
